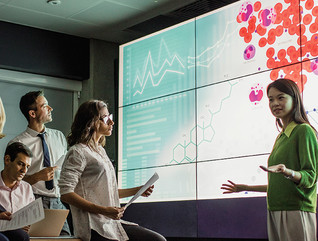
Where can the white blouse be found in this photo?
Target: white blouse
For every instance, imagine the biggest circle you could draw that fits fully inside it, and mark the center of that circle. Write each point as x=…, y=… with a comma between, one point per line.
x=91, y=175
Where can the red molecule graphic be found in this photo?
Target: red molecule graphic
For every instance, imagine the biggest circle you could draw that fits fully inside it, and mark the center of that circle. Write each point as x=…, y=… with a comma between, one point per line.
x=260, y=30
x=270, y=23
x=279, y=18
x=286, y=23
x=313, y=28
x=279, y=31
x=262, y=42
x=270, y=52
x=307, y=19
x=315, y=11
x=271, y=39
x=243, y=32
x=302, y=30
x=278, y=7
x=257, y=6
x=309, y=4
x=281, y=54
x=274, y=74
x=293, y=29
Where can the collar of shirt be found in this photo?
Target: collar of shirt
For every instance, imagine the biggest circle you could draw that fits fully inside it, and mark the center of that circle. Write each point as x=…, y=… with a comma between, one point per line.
x=35, y=133
x=3, y=185
x=289, y=129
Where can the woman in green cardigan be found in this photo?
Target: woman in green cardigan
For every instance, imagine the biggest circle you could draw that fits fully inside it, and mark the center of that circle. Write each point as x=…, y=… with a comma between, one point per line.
x=292, y=168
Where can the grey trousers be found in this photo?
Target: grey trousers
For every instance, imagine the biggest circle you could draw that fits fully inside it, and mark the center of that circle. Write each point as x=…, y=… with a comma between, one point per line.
x=291, y=226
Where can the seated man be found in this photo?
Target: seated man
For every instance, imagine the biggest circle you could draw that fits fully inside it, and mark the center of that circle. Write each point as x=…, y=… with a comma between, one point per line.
x=15, y=193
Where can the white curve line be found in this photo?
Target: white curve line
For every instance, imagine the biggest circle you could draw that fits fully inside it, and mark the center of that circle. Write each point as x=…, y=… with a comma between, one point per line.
x=143, y=81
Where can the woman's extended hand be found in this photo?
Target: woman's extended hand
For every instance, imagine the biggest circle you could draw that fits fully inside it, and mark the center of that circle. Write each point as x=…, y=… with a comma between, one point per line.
x=280, y=168
x=148, y=192
x=233, y=187
x=115, y=213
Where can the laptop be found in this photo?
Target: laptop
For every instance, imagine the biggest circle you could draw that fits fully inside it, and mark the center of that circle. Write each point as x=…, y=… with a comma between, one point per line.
x=51, y=225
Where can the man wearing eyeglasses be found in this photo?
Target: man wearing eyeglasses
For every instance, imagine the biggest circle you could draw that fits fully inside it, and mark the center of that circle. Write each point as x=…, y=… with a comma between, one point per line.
x=48, y=146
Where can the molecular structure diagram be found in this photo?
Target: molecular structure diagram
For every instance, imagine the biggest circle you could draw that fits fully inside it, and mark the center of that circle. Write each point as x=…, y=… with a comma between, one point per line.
x=187, y=152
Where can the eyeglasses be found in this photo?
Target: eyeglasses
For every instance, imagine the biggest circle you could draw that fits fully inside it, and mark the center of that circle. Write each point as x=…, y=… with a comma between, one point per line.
x=106, y=119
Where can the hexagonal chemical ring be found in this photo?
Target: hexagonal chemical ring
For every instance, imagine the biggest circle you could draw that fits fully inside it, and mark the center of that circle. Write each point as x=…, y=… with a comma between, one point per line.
x=191, y=151
x=178, y=153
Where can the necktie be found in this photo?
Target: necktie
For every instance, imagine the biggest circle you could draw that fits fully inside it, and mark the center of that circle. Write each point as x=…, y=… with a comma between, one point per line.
x=46, y=161
x=2, y=209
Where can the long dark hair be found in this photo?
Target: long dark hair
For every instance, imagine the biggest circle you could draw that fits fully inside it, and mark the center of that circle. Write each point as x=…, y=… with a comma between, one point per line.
x=289, y=87
x=86, y=122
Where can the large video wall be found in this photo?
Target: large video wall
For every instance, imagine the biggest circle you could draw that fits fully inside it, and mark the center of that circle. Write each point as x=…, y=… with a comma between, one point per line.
x=192, y=98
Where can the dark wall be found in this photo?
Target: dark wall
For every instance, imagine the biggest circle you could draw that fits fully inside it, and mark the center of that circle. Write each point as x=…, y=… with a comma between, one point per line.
x=204, y=220
x=243, y=218
x=43, y=52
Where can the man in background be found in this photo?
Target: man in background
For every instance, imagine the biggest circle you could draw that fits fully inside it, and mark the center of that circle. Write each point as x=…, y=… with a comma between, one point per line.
x=48, y=146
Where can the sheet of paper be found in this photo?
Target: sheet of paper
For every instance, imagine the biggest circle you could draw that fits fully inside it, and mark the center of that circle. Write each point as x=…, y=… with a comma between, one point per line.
x=151, y=181
x=57, y=171
x=27, y=215
x=60, y=161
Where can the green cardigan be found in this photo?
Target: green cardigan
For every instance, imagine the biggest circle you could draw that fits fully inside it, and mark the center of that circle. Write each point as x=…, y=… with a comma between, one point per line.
x=297, y=148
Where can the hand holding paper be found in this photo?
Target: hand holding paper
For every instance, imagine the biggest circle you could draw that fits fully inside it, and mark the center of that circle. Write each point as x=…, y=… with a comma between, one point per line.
x=25, y=216
x=4, y=215
x=145, y=189
x=148, y=192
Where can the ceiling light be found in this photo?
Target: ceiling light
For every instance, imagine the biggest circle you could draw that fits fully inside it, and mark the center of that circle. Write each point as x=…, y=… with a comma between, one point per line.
x=54, y=2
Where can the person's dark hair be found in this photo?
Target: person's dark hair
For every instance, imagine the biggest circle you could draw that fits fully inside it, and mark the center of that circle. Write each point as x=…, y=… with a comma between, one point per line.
x=289, y=87
x=28, y=102
x=85, y=122
x=15, y=148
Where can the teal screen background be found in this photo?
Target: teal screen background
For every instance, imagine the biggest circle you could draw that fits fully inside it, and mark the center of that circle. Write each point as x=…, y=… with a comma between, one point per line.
x=192, y=98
